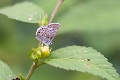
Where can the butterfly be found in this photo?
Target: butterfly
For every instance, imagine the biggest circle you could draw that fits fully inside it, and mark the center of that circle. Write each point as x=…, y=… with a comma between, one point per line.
x=45, y=34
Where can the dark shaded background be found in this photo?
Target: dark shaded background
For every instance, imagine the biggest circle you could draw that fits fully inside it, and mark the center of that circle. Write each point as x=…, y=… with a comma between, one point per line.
x=91, y=23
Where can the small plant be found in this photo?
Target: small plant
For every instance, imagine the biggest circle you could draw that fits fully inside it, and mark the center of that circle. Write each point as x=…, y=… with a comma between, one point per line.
x=79, y=58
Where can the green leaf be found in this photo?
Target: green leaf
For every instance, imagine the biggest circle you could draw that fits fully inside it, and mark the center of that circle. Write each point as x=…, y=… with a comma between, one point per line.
x=25, y=11
x=5, y=72
x=83, y=59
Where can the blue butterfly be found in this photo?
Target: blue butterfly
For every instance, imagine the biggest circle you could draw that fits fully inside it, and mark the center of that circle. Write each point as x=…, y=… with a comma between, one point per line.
x=45, y=34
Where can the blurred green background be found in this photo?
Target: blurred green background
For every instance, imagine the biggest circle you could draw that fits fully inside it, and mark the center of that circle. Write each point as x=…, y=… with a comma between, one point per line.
x=91, y=23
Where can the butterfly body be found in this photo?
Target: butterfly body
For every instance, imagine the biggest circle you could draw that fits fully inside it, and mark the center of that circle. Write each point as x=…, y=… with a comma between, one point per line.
x=46, y=34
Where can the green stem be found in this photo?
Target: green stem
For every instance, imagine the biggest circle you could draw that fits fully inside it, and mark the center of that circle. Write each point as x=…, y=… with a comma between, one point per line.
x=55, y=10
x=33, y=67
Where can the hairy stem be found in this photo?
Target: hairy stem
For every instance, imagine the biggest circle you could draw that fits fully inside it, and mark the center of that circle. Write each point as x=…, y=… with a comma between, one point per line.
x=35, y=65
x=55, y=10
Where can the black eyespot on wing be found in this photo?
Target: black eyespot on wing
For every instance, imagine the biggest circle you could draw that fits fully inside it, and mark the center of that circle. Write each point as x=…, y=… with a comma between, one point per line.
x=48, y=37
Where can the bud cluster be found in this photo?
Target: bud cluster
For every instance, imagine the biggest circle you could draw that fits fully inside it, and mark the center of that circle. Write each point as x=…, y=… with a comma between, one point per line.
x=36, y=54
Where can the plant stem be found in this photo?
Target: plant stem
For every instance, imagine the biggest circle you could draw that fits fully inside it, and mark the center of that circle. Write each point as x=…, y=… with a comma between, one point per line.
x=35, y=65
x=55, y=10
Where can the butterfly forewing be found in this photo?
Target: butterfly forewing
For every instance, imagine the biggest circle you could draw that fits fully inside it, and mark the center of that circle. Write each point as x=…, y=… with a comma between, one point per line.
x=47, y=33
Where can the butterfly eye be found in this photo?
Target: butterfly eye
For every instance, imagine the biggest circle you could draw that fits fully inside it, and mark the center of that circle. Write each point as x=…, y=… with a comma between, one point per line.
x=38, y=32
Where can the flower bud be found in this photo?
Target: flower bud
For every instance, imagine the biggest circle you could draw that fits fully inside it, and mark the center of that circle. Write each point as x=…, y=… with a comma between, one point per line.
x=35, y=54
x=45, y=51
x=44, y=21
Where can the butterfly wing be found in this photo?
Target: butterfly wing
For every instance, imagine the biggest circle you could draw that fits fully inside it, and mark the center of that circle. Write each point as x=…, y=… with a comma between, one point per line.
x=47, y=33
x=42, y=35
x=53, y=29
